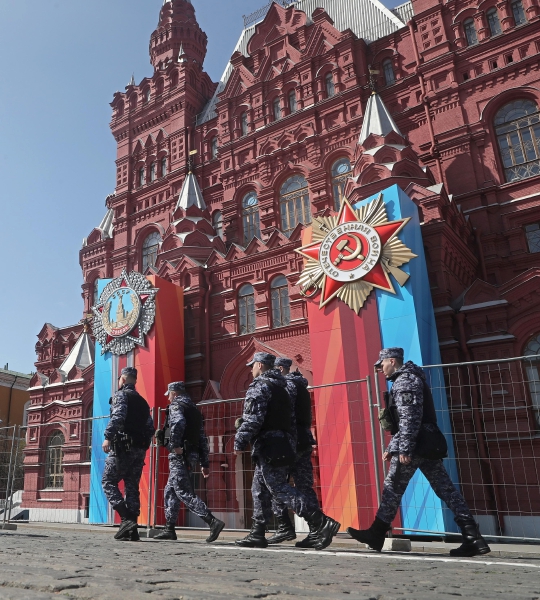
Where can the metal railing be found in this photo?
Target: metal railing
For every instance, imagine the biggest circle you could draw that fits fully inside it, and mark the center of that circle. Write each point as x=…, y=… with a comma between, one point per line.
x=489, y=411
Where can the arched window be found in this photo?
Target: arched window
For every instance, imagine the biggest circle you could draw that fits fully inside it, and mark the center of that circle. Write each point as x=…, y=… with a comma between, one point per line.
x=25, y=413
x=147, y=96
x=388, y=70
x=133, y=101
x=294, y=204
x=330, y=88
x=164, y=166
x=214, y=147
x=54, y=475
x=293, y=105
x=95, y=295
x=470, y=32
x=217, y=220
x=532, y=368
x=493, y=21
x=150, y=250
x=174, y=79
x=277, y=109
x=153, y=171
x=120, y=109
x=141, y=176
x=517, y=125
x=281, y=309
x=341, y=171
x=244, y=123
x=518, y=12
x=250, y=217
x=246, y=309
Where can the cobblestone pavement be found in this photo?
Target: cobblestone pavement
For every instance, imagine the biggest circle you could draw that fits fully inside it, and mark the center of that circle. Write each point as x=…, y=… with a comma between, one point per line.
x=76, y=564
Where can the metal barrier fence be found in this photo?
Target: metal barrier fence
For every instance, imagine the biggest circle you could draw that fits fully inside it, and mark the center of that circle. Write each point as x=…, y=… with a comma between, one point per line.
x=489, y=410
x=11, y=470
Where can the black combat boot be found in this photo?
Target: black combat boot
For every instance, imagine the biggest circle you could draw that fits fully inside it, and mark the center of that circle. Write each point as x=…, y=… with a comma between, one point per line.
x=168, y=533
x=285, y=532
x=324, y=528
x=133, y=535
x=255, y=538
x=310, y=540
x=216, y=527
x=374, y=536
x=127, y=524
x=473, y=543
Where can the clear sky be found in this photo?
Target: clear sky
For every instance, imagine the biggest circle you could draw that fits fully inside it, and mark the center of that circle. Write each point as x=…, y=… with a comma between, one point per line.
x=61, y=62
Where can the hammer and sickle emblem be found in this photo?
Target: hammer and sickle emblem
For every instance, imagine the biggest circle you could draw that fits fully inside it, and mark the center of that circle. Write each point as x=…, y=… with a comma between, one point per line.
x=343, y=246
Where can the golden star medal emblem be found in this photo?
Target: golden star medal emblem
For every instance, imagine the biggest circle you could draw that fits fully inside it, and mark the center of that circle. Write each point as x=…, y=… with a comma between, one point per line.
x=354, y=252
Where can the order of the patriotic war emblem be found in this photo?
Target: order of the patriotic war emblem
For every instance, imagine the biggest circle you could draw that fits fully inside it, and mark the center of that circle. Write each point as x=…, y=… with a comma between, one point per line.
x=352, y=253
x=125, y=313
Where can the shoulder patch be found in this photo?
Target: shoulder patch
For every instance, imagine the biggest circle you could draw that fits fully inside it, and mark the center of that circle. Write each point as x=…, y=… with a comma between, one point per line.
x=407, y=398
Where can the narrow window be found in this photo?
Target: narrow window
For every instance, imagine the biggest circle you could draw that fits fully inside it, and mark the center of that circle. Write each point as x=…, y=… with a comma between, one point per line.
x=153, y=171
x=533, y=237
x=214, y=147
x=532, y=367
x=54, y=474
x=493, y=21
x=250, y=217
x=246, y=309
x=330, y=88
x=470, y=32
x=341, y=171
x=150, y=250
x=277, y=109
x=388, y=71
x=517, y=126
x=294, y=204
x=244, y=123
x=141, y=176
x=293, y=106
x=164, y=166
x=217, y=220
x=281, y=310
x=95, y=298
x=518, y=12
x=147, y=96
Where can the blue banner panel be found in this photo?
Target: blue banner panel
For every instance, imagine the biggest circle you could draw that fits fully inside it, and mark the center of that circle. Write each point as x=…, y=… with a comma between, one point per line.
x=103, y=379
x=407, y=320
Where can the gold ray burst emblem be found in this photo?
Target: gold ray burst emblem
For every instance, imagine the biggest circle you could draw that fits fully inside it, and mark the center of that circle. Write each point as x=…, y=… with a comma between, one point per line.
x=353, y=252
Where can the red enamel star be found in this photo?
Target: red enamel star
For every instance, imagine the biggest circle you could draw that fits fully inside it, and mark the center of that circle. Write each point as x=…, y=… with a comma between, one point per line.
x=341, y=263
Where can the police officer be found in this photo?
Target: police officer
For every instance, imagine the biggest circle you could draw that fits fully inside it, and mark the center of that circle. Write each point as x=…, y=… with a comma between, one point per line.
x=413, y=402
x=268, y=424
x=187, y=444
x=127, y=438
x=302, y=470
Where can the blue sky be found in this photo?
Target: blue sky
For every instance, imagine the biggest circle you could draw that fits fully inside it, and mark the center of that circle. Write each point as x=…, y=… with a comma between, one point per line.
x=61, y=62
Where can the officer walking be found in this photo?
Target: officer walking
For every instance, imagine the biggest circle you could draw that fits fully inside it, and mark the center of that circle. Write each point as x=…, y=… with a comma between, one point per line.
x=302, y=470
x=412, y=404
x=187, y=444
x=267, y=423
x=127, y=439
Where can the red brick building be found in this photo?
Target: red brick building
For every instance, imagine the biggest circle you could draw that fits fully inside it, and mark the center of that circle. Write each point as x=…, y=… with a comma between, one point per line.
x=284, y=134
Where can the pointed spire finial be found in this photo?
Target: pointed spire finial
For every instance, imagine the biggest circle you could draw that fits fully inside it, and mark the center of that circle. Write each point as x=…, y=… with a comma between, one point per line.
x=182, y=56
x=377, y=119
x=132, y=80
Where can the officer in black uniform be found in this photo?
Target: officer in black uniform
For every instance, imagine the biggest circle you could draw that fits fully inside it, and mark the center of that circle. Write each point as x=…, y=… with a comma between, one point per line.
x=302, y=470
x=127, y=439
x=187, y=444
x=268, y=424
x=413, y=412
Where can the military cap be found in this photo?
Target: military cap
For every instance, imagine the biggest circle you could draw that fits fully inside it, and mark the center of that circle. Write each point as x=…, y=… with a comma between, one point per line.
x=262, y=357
x=129, y=371
x=176, y=386
x=281, y=361
x=389, y=353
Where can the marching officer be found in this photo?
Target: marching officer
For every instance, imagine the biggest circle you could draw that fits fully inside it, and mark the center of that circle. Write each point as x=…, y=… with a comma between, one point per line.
x=127, y=439
x=187, y=444
x=267, y=424
x=411, y=399
x=302, y=470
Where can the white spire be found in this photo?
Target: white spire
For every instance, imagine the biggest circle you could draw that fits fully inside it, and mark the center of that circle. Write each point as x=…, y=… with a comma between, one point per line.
x=182, y=56
x=132, y=80
x=377, y=119
x=190, y=194
x=81, y=355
